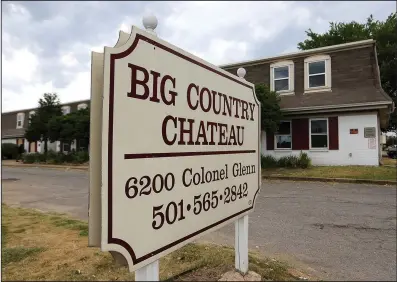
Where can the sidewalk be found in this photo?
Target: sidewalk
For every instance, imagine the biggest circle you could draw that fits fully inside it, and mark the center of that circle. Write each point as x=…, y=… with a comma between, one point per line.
x=13, y=163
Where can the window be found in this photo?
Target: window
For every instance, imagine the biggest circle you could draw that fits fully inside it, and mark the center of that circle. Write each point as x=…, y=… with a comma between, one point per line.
x=282, y=77
x=31, y=113
x=81, y=106
x=283, y=138
x=20, y=118
x=65, y=147
x=65, y=110
x=317, y=73
x=82, y=145
x=319, y=134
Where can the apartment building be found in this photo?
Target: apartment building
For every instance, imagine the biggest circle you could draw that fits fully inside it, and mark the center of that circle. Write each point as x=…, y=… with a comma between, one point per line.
x=332, y=99
x=333, y=103
x=14, y=124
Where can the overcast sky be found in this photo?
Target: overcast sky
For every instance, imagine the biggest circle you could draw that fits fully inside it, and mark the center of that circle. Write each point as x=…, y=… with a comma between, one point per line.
x=46, y=45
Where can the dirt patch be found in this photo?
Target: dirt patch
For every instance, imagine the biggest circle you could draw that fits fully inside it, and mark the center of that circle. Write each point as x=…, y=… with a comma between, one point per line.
x=38, y=246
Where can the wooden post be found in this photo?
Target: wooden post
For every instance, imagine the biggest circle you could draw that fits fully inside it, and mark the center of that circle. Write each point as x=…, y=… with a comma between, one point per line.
x=149, y=272
x=241, y=227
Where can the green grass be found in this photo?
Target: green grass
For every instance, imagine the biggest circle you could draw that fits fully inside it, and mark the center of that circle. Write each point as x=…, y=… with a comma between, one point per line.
x=355, y=172
x=72, y=224
x=18, y=254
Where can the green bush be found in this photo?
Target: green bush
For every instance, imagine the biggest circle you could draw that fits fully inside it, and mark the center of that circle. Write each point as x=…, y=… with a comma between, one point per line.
x=301, y=161
x=9, y=151
x=288, y=161
x=268, y=161
x=304, y=160
x=82, y=157
x=29, y=158
x=56, y=158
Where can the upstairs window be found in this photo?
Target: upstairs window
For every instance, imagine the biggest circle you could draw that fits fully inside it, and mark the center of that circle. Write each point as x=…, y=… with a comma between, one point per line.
x=319, y=133
x=66, y=110
x=282, y=77
x=20, y=118
x=81, y=106
x=283, y=137
x=318, y=73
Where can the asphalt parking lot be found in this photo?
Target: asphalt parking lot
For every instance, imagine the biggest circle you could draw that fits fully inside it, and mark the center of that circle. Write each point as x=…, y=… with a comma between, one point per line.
x=332, y=231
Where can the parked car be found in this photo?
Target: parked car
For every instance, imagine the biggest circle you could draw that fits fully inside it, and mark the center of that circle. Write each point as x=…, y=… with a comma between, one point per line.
x=392, y=152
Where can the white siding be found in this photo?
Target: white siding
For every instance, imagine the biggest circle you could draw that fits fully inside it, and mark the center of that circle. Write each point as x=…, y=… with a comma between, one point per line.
x=11, y=140
x=354, y=144
x=52, y=146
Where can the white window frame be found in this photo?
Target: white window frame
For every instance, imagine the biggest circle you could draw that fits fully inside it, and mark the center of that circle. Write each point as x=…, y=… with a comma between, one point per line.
x=328, y=80
x=65, y=110
x=310, y=134
x=20, y=118
x=81, y=106
x=275, y=136
x=30, y=115
x=291, y=76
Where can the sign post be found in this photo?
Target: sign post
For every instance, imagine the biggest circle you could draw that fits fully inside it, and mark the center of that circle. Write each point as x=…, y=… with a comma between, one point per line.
x=241, y=227
x=180, y=151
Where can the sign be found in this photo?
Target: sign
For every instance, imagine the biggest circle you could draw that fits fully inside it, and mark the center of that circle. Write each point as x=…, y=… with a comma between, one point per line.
x=180, y=148
x=371, y=143
x=369, y=132
x=354, y=131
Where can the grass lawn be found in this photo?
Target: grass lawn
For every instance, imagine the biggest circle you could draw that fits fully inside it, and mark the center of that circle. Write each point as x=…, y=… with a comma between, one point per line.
x=356, y=172
x=38, y=246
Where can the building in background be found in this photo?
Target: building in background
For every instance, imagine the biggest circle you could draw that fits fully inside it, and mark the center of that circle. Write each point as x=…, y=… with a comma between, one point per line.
x=333, y=103
x=332, y=99
x=15, y=123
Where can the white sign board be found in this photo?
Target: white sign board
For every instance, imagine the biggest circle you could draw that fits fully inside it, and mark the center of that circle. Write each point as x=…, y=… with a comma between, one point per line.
x=180, y=148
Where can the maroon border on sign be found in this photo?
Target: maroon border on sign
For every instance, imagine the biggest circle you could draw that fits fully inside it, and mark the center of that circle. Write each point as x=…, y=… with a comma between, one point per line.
x=113, y=58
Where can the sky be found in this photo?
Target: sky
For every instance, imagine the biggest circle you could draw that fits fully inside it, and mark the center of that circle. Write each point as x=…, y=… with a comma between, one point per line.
x=46, y=45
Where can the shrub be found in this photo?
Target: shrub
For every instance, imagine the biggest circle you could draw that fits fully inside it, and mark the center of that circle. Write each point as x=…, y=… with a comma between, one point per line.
x=56, y=158
x=304, y=160
x=82, y=157
x=9, y=151
x=29, y=158
x=288, y=161
x=268, y=161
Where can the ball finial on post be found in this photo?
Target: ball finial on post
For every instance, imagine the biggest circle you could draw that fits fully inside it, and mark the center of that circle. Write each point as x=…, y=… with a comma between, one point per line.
x=241, y=72
x=150, y=23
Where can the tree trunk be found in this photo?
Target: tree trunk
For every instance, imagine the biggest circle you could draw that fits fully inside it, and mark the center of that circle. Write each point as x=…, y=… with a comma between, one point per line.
x=45, y=145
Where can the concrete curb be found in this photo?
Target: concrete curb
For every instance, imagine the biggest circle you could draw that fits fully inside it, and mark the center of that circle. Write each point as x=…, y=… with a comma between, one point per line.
x=48, y=166
x=338, y=180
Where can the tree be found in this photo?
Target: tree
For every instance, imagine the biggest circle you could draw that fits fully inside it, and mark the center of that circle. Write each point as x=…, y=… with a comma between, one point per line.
x=385, y=35
x=270, y=108
x=391, y=140
x=70, y=127
x=49, y=107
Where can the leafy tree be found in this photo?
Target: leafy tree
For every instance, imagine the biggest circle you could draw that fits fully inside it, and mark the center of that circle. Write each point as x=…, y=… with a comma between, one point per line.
x=385, y=35
x=270, y=108
x=391, y=140
x=49, y=107
x=70, y=127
